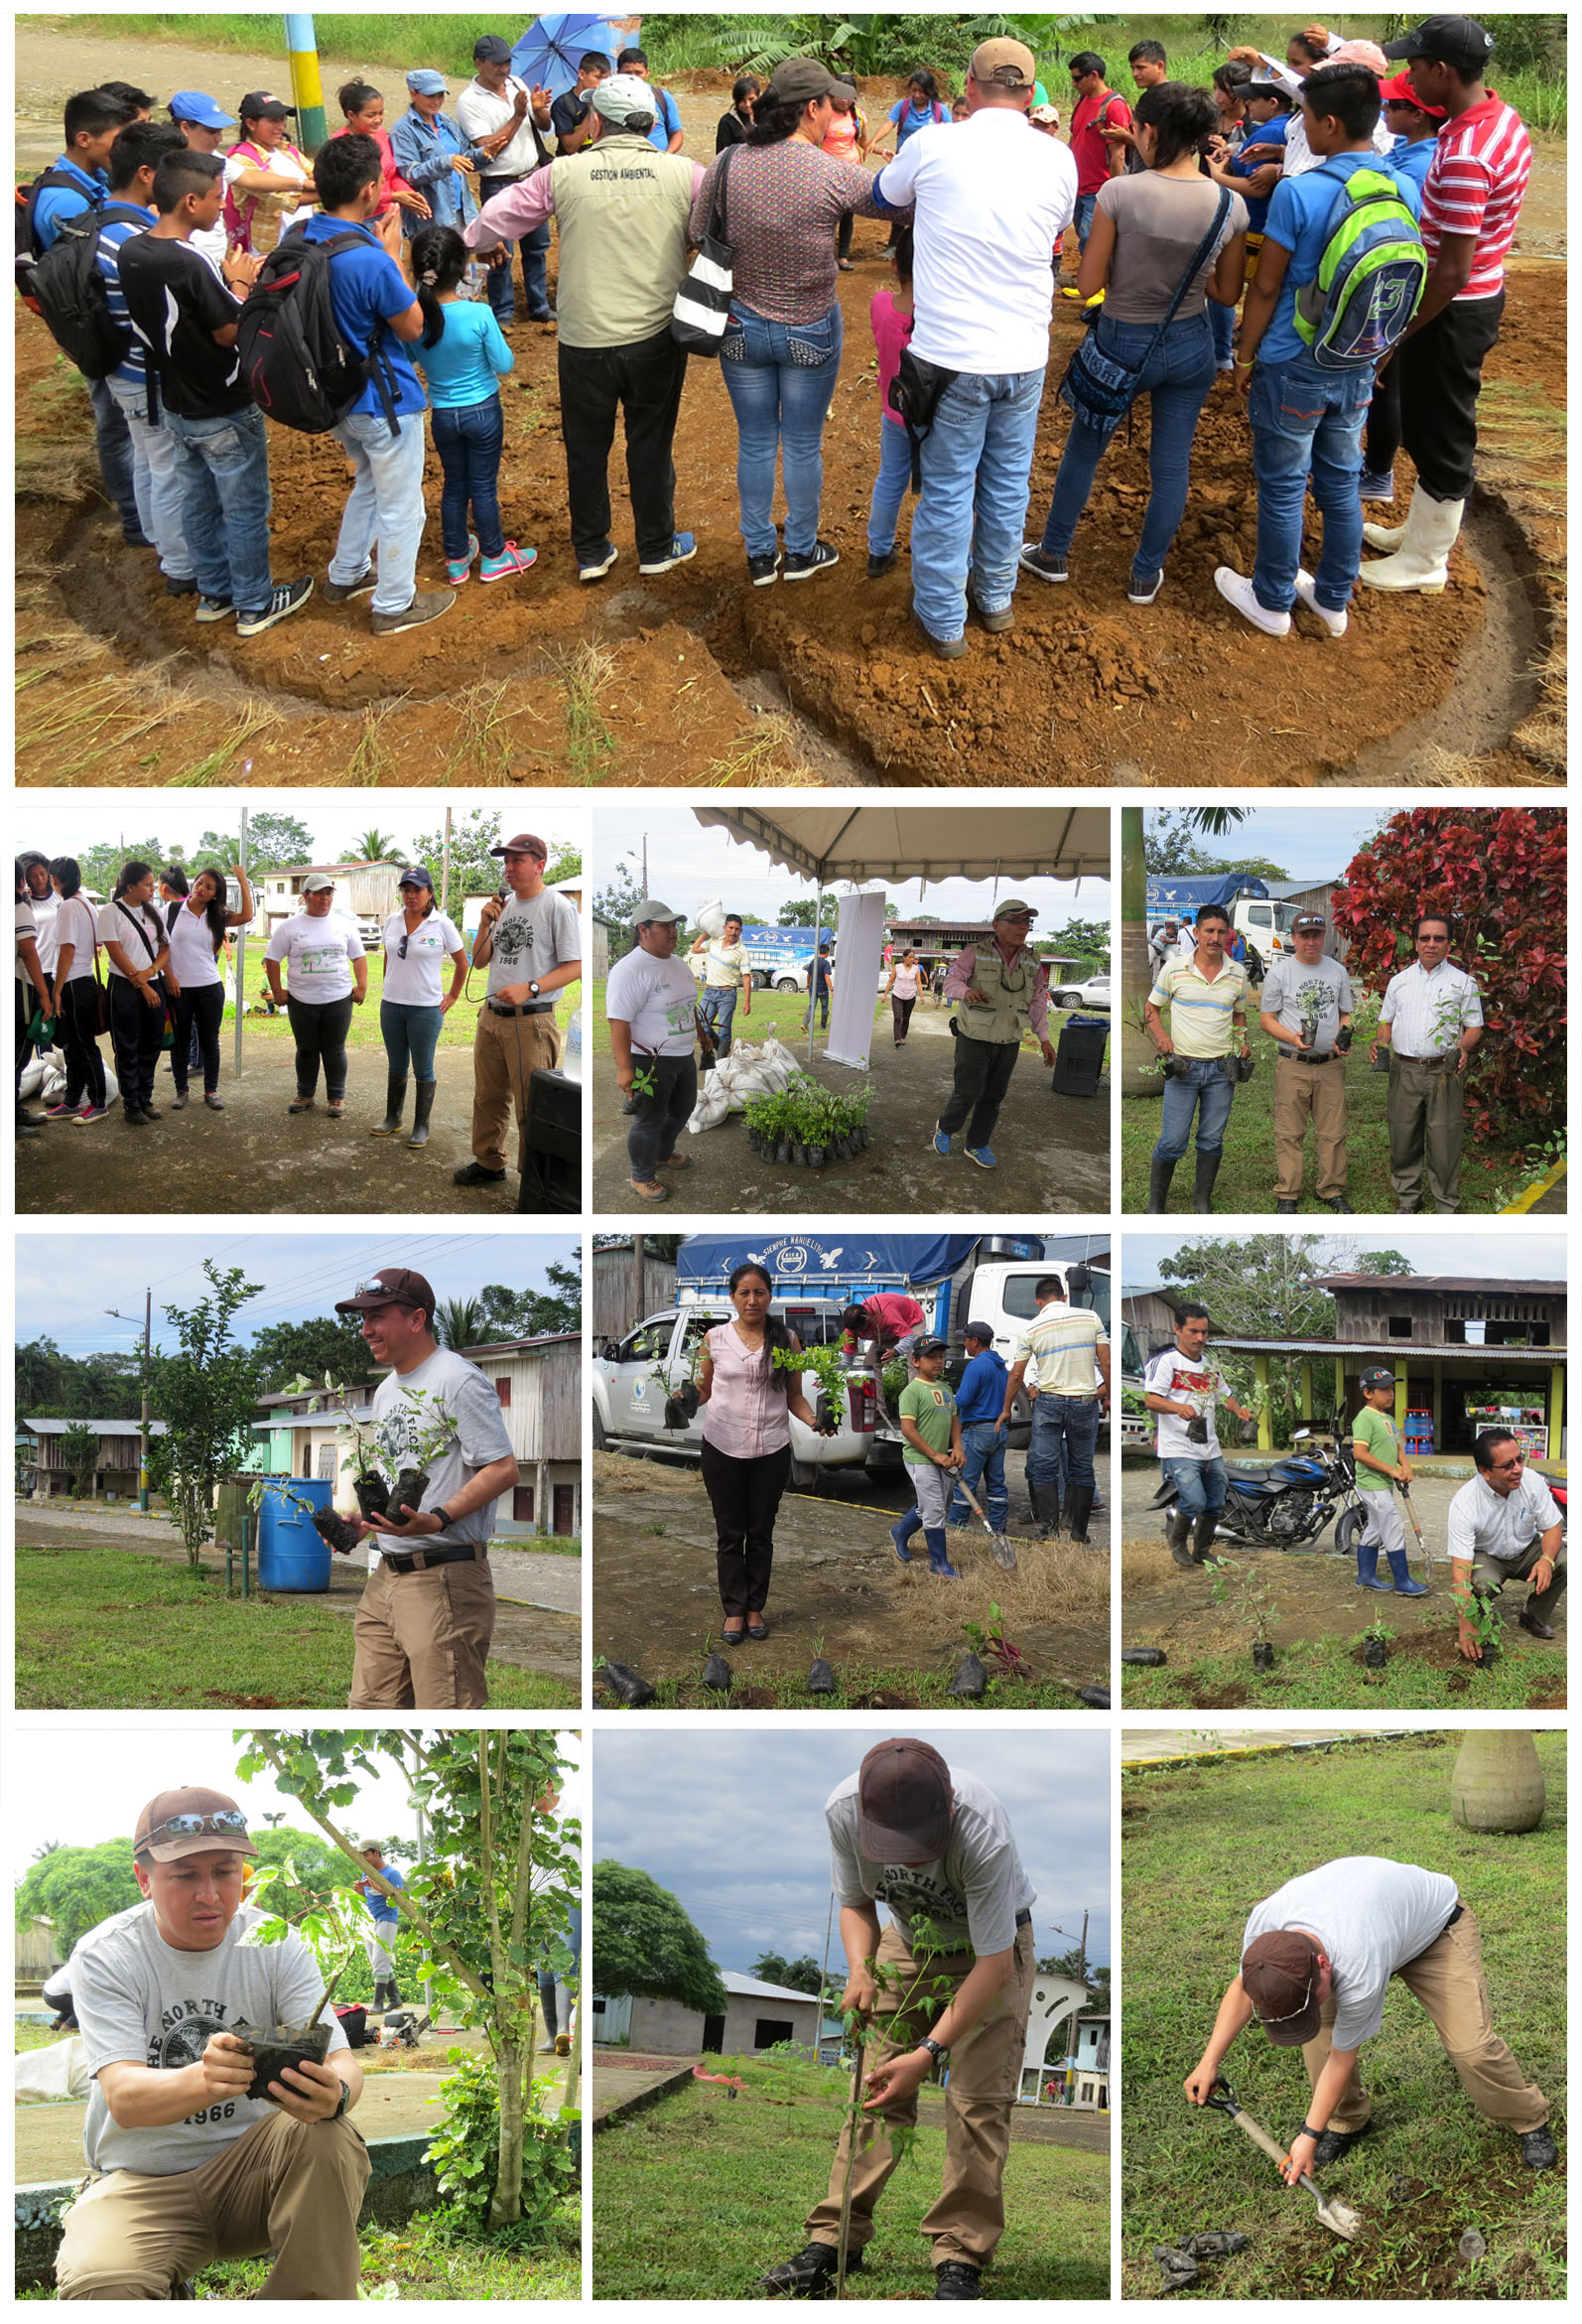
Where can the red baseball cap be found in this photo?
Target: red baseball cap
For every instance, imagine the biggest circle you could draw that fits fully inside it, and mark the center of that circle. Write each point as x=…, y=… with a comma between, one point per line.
x=1399, y=92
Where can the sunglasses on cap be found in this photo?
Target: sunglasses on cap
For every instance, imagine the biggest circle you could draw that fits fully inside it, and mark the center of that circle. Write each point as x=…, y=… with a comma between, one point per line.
x=1302, y=2005
x=190, y=1826
x=374, y=1289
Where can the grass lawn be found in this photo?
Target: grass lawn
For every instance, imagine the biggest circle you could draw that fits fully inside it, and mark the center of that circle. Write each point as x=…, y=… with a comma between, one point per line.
x=38, y=2037
x=781, y=1014
x=113, y=1630
x=363, y=1032
x=694, y=2197
x=1326, y=1676
x=1201, y=1845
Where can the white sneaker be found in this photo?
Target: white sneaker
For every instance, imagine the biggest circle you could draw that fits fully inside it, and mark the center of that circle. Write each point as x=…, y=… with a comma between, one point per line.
x=1238, y=593
x=1335, y=623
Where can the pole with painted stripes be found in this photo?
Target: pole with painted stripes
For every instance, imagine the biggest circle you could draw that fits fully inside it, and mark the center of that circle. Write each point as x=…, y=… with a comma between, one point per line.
x=302, y=54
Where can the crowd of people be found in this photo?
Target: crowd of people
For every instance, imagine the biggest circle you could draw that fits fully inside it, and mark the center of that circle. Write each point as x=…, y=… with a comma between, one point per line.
x=1329, y=233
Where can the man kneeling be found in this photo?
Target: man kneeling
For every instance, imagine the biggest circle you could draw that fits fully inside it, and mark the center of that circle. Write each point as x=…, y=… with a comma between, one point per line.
x=188, y=2168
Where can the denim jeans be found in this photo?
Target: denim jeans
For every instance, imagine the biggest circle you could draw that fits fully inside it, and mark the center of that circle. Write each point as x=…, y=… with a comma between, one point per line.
x=1221, y=330
x=155, y=478
x=985, y=1446
x=1200, y=1483
x=410, y=1032
x=977, y=461
x=890, y=487
x=780, y=378
x=1206, y=1089
x=385, y=505
x=200, y=1012
x=1082, y=217
x=114, y=445
x=499, y=283
x=1060, y=1453
x=1176, y=380
x=1307, y=422
x=718, y=1007
x=223, y=465
x=819, y=998
x=468, y=441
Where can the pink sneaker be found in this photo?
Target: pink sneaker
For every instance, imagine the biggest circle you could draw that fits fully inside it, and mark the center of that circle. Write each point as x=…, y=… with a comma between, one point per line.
x=508, y=566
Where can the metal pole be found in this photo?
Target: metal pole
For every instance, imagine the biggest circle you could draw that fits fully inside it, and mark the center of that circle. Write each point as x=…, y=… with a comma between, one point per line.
x=241, y=954
x=423, y=1850
x=445, y=864
x=824, y=1970
x=246, y=1531
x=142, y=1438
x=302, y=51
x=813, y=964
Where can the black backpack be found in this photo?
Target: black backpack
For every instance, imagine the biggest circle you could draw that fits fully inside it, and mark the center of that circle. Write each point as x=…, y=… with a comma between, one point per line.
x=26, y=203
x=295, y=363
x=69, y=290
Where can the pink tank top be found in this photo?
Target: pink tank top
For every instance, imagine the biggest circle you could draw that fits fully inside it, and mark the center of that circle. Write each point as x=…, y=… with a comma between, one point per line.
x=745, y=1415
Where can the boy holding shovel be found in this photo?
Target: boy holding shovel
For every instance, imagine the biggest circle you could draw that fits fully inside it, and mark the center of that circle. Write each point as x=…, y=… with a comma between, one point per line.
x=933, y=1432
x=1380, y=1465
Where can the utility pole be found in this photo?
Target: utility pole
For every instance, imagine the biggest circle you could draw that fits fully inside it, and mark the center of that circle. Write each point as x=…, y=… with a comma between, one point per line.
x=242, y=952
x=824, y=1970
x=637, y=1248
x=445, y=864
x=142, y=1442
x=423, y=1857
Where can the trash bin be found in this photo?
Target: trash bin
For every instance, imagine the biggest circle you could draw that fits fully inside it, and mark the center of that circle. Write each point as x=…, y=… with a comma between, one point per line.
x=1078, y=1057
x=291, y=1555
x=552, y=1178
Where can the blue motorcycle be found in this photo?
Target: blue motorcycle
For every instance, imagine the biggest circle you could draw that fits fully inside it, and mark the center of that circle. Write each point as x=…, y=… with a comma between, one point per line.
x=1287, y=1505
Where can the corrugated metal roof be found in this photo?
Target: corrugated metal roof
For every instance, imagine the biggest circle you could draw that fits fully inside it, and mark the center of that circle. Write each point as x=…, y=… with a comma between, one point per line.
x=1442, y=1283
x=751, y=1989
x=100, y=1427
x=1391, y=1347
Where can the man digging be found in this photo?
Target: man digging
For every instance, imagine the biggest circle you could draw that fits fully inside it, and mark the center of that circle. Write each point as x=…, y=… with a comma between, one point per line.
x=929, y=1841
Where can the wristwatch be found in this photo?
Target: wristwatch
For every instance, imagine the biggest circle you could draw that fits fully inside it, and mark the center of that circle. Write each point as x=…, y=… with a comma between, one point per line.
x=442, y=1513
x=533, y=989
x=936, y=2050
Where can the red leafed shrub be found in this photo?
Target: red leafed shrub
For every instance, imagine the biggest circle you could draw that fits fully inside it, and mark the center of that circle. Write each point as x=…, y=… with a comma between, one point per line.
x=1499, y=874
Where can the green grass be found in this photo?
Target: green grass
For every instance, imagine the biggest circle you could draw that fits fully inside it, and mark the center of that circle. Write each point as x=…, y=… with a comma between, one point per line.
x=1202, y=1845
x=1324, y=1676
x=781, y=1014
x=119, y=1630
x=543, y=1545
x=364, y=1033
x=855, y=1689
x=38, y=2037
x=694, y=2197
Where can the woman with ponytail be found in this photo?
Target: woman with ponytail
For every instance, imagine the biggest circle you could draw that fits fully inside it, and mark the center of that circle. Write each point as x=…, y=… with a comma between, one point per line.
x=364, y=107
x=462, y=355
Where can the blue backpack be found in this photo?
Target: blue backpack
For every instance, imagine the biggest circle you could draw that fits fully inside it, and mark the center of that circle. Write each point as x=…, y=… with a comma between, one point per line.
x=1371, y=278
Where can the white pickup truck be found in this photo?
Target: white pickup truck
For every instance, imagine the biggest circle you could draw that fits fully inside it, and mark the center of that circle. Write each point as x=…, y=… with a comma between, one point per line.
x=630, y=1394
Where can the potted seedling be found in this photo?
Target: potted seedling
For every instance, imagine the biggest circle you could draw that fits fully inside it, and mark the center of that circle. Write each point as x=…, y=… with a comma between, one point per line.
x=681, y=1398
x=1246, y=1593
x=1485, y=1619
x=368, y=1481
x=428, y=1430
x=332, y=1927
x=1375, y=1644
x=329, y=1526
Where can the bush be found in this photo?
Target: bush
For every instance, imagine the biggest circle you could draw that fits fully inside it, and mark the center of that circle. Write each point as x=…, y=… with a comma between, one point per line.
x=465, y=2154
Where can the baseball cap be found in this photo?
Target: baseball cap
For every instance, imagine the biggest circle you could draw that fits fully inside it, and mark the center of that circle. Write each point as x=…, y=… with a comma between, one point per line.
x=259, y=105
x=526, y=843
x=489, y=48
x=1449, y=40
x=417, y=876
x=1278, y=1972
x=623, y=96
x=187, y=1822
x=983, y=1332
x=652, y=909
x=1262, y=85
x=929, y=1346
x=797, y=79
x=1049, y=113
x=1399, y=92
x=1378, y=1376
x=392, y=1287
x=1013, y=907
x=191, y=105
x=423, y=84
x=903, y=1802
x=1003, y=64
x=316, y=884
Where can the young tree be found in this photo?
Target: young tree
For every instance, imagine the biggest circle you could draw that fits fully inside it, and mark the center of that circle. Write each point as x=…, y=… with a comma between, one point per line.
x=1265, y=1287
x=208, y=1397
x=75, y=1888
x=644, y=1944
x=80, y=1457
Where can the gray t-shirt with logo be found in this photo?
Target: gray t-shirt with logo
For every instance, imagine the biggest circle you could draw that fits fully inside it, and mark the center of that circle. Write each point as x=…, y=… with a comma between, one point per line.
x=407, y=1406
x=1300, y=996
x=1372, y=1916
x=972, y=1895
x=142, y=2002
x=531, y=938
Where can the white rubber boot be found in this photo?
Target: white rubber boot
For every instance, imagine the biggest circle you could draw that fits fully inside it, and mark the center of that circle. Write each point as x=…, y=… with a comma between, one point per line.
x=1423, y=561
x=1383, y=536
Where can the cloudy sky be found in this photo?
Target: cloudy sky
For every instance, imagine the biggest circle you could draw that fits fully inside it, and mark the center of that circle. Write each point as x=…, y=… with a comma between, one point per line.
x=730, y=1818
x=66, y=827
x=1313, y=843
x=65, y=1282
x=1516, y=1256
x=689, y=867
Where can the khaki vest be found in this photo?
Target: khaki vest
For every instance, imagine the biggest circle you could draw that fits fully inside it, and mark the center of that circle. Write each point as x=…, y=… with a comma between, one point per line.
x=621, y=207
x=1005, y=1017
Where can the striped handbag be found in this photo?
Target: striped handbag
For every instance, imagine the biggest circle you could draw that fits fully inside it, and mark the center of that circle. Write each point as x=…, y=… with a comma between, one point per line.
x=703, y=302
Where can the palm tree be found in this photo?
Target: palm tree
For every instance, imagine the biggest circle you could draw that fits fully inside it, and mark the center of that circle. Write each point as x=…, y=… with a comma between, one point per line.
x=1213, y=822
x=460, y=1322
x=377, y=846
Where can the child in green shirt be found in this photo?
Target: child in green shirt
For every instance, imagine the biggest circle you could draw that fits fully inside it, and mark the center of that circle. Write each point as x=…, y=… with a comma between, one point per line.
x=1379, y=1465
x=932, y=1453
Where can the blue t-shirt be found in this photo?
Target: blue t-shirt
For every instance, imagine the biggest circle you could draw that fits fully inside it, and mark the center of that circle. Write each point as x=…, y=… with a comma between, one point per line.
x=58, y=201
x=382, y=1907
x=909, y=120
x=666, y=119
x=1300, y=214
x=982, y=1394
x=462, y=369
x=135, y=367
x=1409, y=157
x=1272, y=133
x=365, y=288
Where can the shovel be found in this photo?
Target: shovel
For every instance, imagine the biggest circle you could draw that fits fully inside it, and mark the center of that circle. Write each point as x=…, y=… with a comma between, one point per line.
x=1005, y=1554
x=1338, y=2217
x=1422, y=1547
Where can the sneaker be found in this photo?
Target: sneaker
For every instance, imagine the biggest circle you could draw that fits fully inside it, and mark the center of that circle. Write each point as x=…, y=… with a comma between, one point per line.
x=508, y=567
x=985, y=1157
x=341, y=593
x=1036, y=558
x=1144, y=588
x=214, y=609
x=818, y=559
x=880, y=562
x=176, y=586
x=682, y=547
x=763, y=570
x=1238, y=593
x=941, y=1141
x=179, y=1101
x=998, y=621
x=459, y=569
x=596, y=567
x=953, y=2280
x=1330, y=2146
x=1376, y=488
x=1538, y=2150
x=62, y=1111
x=286, y=598
x=427, y=605
x=1335, y=623
x=91, y=1114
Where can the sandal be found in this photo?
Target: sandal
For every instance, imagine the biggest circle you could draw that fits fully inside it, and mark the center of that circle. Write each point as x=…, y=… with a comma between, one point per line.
x=650, y=1190
x=758, y=1630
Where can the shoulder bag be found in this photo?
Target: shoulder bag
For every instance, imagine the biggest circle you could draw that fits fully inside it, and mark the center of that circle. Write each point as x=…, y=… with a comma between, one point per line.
x=1099, y=390
x=703, y=302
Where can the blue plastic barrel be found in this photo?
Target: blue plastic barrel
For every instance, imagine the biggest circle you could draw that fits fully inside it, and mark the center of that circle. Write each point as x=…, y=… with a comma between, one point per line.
x=291, y=1555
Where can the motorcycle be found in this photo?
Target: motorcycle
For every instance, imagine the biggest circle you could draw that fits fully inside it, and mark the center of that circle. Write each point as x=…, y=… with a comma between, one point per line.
x=1288, y=1505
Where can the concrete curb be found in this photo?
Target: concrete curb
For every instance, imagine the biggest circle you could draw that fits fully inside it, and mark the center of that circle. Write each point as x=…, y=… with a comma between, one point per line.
x=642, y=2099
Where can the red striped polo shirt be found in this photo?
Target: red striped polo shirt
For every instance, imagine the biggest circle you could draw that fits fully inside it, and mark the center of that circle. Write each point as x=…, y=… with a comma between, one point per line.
x=1476, y=180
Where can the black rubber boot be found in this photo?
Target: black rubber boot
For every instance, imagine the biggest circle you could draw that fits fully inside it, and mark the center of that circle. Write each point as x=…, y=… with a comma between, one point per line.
x=395, y=1099
x=422, y=1108
x=812, y=2273
x=1046, y=1511
x=1176, y=1527
x=1159, y=1175
x=1203, y=1183
x=1202, y=1538
x=1079, y=1508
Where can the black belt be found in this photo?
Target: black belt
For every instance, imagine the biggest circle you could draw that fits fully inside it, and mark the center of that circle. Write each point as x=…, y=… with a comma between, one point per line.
x=1444, y=1932
x=526, y=1009
x=1295, y=1058
x=474, y=1554
x=1024, y=1918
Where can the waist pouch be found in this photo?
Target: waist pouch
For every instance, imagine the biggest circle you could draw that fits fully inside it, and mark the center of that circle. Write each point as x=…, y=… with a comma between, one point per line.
x=914, y=393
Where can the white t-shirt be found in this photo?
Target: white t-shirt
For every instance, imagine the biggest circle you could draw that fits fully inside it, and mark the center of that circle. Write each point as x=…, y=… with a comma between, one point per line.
x=531, y=937
x=192, y=959
x=76, y=924
x=407, y=1405
x=1372, y=1916
x=993, y=197
x=26, y=926
x=119, y=923
x=1484, y=1523
x=479, y=113
x=972, y=1895
x=1199, y=1384
x=318, y=954
x=141, y=2003
x=45, y=911
x=419, y=980
x=211, y=242
x=657, y=999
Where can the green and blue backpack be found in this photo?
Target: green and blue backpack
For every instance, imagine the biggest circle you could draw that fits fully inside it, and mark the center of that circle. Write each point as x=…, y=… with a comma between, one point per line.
x=1371, y=278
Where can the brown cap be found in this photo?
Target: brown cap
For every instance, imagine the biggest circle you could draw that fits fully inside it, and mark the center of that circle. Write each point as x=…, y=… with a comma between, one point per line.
x=1278, y=1973
x=903, y=1796
x=526, y=843
x=1003, y=64
x=191, y=1822
x=392, y=1287
x=795, y=81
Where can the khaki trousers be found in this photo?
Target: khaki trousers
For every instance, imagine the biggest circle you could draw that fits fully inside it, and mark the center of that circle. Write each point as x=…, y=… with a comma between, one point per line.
x=1448, y=1980
x=291, y=2188
x=1303, y=1091
x=969, y=2219
x=421, y=1640
x=1490, y=1575
x=506, y=1052
x=1423, y=1113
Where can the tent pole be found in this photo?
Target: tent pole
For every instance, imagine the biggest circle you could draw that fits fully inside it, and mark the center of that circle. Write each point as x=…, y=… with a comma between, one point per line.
x=813, y=964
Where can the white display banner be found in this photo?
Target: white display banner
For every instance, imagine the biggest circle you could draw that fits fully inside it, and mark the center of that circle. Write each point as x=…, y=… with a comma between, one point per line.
x=859, y=947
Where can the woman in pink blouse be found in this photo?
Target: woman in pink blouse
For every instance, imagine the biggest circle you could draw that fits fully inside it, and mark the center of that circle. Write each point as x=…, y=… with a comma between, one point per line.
x=747, y=1443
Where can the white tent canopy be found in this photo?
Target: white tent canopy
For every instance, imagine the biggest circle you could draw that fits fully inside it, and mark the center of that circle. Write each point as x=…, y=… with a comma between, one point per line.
x=890, y=842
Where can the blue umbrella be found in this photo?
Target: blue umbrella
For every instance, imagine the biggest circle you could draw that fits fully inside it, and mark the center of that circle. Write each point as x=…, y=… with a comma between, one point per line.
x=552, y=48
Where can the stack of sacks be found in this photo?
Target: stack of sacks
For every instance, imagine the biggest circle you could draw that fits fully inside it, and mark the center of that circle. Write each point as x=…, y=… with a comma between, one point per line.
x=748, y=1072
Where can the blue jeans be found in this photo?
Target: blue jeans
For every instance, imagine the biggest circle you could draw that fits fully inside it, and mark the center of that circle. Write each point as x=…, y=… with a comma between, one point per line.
x=223, y=465
x=1065, y=1431
x=1222, y=324
x=781, y=378
x=1206, y=1089
x=156, y=480
x=890, y=488
x=1176, y=380
x=410, y=1033
x=114, y=446
x=977, y=464
x=468, y=441
x=1307, y=422
x=499, y=283
x=984, y=1447
x=1082, y=217
x=1199, y=1484
x=717, y=1009
x=385, y=505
